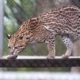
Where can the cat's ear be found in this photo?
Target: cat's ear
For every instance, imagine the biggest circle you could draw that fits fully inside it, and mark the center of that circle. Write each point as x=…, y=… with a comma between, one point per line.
x=8, y=36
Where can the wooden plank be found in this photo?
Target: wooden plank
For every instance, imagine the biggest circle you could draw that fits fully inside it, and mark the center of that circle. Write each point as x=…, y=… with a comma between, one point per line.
x=40, y=57
x=39, y=61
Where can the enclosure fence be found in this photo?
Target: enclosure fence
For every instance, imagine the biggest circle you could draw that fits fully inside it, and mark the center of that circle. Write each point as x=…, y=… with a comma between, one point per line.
x=32, y=61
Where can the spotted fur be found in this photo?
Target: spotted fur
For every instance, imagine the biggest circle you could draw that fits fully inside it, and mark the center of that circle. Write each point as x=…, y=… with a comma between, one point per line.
x=64, y=21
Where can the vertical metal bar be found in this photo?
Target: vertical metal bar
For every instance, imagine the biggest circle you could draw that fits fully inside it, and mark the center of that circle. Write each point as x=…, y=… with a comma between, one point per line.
x=1, y=27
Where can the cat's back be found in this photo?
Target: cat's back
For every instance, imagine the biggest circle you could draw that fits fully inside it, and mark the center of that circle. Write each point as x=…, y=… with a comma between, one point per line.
x=65, y=12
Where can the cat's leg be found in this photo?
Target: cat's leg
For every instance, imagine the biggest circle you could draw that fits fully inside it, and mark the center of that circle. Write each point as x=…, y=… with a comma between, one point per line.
x=51, y=47
x=69, y=45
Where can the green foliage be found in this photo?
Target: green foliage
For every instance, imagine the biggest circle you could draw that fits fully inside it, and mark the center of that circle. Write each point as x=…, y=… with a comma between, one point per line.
x=28, y=6
x=60, y=47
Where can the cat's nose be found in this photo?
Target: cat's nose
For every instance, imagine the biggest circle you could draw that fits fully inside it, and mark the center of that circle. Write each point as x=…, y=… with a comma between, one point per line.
x=12, y=57
x=12, y=51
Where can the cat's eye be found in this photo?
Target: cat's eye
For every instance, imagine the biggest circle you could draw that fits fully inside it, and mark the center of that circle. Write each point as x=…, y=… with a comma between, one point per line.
x=27, y=38
x=16, y=47
x=9, y=47
x=21, y=46
x=20, y=37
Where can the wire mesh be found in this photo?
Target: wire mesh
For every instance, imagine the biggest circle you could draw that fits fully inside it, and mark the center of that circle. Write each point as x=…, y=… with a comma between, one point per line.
x=21, y=14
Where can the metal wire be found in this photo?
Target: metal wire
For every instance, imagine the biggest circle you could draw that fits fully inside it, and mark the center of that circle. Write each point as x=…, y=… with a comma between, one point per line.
x=35, y=62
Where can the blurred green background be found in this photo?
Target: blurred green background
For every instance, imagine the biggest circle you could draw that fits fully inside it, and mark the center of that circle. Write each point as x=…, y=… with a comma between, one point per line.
x=17, y=11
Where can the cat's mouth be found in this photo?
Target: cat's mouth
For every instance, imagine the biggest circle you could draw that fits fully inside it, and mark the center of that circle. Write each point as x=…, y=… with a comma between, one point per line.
x=12, y=56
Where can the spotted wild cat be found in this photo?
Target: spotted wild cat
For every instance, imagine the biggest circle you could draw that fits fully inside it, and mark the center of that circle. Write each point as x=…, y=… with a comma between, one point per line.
x=64, y=21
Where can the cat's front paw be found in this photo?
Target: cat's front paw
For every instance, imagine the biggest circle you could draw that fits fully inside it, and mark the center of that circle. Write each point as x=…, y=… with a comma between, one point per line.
x=64, y=56
x=51, y=57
